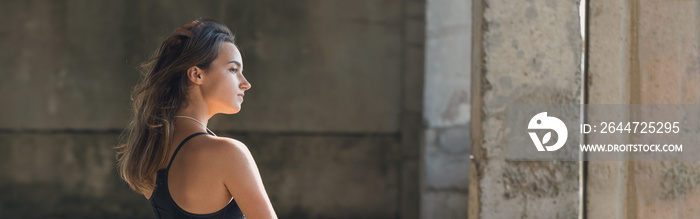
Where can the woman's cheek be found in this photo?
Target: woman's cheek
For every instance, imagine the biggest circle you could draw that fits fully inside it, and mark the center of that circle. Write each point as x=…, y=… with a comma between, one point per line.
x=233, y=83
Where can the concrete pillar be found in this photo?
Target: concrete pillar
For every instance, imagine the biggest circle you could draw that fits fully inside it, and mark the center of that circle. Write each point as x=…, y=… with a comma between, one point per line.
x=608, y=72
x=446, y=144
x=644, y=52
x=530, y=53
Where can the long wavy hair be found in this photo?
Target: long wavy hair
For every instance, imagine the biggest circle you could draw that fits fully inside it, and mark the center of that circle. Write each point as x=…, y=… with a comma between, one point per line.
x=159, y=95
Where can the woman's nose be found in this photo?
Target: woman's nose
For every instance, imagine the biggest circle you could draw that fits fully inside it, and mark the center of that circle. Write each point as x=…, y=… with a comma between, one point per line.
x=245, y=85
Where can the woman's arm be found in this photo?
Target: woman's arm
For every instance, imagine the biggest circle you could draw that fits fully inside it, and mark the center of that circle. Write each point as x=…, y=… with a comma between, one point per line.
x=242, y=179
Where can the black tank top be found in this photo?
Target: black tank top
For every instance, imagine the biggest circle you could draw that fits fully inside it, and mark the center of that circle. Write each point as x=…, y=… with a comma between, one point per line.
x=164, y=207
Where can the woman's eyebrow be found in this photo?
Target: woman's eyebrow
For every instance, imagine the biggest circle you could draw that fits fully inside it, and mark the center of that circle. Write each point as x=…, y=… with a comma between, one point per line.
x=237, y=63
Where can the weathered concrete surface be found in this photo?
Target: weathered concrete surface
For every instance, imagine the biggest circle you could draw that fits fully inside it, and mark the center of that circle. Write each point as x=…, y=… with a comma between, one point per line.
x=64, y=176
x=446, y=173
x=608, y=72
x=339, y=61
x=668, y=60
x=446, y=140
x=653, y=47
x=329, y=176
x=532, y=55
x=74, y=175
x=58, y=60
x=334, y=117
x=448, y=56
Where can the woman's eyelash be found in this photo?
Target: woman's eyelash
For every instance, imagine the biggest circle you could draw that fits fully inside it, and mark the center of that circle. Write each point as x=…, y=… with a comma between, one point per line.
x=234, y=69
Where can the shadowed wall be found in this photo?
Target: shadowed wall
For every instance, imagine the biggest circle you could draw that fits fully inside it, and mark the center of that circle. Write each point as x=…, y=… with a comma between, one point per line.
x=327, y=118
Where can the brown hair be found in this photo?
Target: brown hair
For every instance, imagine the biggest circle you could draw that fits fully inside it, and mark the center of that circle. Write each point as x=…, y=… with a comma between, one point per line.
x=161, y=92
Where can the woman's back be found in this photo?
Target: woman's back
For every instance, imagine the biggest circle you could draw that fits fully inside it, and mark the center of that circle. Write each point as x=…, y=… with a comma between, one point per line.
x=188, y=188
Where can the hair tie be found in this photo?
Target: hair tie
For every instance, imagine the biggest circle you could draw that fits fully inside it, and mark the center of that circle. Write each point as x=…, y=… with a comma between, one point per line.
x=182, y=32
x=192, y=25
x=186, y=30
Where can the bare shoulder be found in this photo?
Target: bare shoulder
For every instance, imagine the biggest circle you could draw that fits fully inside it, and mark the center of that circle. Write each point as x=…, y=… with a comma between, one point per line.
x=223, y=150
x=223, y=143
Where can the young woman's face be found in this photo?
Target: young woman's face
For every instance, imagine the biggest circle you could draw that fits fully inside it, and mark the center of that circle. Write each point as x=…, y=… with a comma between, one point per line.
x=224, y=83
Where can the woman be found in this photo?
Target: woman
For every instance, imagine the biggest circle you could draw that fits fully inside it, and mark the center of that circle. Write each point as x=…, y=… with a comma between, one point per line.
x=168, y=156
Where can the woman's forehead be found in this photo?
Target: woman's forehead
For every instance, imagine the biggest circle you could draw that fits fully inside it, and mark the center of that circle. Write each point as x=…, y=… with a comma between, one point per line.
x=229, y=52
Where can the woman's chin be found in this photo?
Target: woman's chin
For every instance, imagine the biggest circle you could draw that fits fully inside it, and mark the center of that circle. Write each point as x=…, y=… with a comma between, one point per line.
x=233, y=110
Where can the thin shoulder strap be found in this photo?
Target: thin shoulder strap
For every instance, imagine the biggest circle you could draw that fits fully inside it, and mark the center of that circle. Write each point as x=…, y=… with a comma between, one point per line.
x=182, y=143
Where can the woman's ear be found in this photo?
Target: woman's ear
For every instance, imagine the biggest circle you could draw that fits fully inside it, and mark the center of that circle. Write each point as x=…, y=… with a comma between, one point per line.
x=195, y=74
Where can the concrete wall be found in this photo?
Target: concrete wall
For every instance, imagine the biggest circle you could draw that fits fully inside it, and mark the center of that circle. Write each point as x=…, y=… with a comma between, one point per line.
x=359, y=109
x=72, y=36
x=446, y=140
x=529, y=52
x=643, y=52
x=333, y=118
